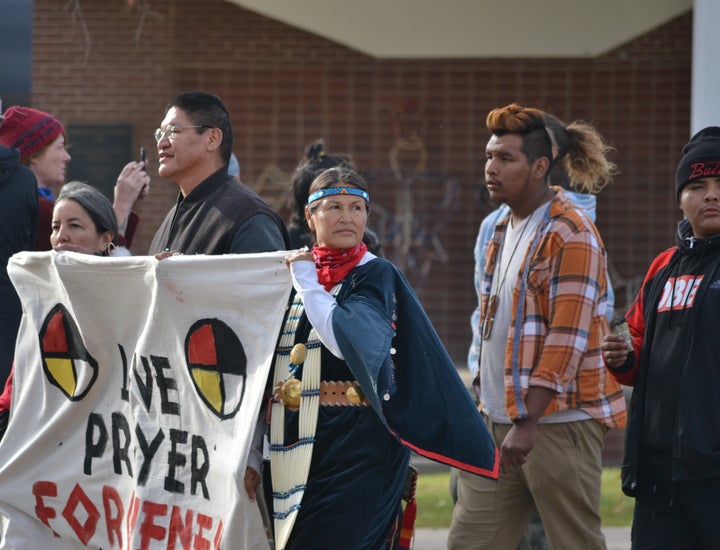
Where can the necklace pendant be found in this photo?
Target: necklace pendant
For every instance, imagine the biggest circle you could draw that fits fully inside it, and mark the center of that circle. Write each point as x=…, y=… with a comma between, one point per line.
x=489, y=316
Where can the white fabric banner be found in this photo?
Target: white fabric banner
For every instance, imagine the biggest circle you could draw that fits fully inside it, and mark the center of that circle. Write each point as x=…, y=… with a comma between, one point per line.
x=136, y=391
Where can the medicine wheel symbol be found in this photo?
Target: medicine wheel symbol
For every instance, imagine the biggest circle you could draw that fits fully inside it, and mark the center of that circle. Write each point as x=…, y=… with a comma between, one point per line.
x=66, y=361
x=218, y=366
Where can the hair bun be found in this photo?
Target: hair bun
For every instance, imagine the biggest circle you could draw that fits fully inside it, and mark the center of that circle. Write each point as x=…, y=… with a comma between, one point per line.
x=315, y=150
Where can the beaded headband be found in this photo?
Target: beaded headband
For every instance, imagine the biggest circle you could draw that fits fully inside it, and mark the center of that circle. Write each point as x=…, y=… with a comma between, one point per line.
x=322, y=193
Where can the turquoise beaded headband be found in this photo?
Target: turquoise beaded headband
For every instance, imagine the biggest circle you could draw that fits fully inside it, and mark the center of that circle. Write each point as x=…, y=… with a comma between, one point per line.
x=322, y=193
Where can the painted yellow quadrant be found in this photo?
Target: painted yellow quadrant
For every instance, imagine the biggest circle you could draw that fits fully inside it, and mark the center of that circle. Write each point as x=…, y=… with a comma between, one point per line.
x=209, y=384
x=63, y=373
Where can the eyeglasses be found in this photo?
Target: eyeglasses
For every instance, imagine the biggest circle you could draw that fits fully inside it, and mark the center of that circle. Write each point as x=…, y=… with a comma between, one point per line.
x=171, y=130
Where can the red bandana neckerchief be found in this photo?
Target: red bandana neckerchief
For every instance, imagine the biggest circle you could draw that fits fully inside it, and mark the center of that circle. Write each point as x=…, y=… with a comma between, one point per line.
x=333, y=264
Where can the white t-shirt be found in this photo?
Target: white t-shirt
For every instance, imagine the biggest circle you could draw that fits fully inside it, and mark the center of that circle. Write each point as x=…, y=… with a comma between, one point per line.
x=492, y=357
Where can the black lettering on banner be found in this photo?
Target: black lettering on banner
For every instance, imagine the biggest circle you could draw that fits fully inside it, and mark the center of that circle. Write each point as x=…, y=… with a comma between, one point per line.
x=199, y=470
x=148, y=373
x=144, y=386
x=164, y=385
x=120, y=449
x=97, y=437
x=94, y=449
x=175, y=459
x=148, y=452
x=124, y=392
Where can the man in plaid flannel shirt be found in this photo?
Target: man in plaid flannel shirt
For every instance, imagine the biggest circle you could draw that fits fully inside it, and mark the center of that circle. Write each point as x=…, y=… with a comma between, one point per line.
x=544, y=390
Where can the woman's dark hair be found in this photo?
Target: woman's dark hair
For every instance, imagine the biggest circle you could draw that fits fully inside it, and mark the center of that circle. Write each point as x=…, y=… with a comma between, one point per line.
x=97, y=205
x=315, y=162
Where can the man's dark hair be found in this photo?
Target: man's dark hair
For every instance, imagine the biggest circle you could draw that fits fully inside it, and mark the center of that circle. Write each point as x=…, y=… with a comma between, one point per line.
x=205, y=109
x=526, y=122
x=582, y=155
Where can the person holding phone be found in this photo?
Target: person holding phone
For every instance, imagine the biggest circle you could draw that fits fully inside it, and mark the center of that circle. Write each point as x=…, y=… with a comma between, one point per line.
x=671, y=464
x=42, y=141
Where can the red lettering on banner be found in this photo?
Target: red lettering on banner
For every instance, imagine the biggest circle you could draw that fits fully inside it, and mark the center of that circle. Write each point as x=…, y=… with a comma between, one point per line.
x=681, y=291
x=133, y=511
x=83, y=516
x=179, y=528
x=218, y=535
x=148, y=528
x=86, y=530
x=113, y=522
x=44, y=489
x=204, y=523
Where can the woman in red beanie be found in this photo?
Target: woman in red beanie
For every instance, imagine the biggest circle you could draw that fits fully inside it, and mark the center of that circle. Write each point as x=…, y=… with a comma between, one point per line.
x=42, y=142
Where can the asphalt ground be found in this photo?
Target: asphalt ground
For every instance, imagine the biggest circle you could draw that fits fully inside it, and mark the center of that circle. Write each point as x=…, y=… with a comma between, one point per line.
x=616, y=538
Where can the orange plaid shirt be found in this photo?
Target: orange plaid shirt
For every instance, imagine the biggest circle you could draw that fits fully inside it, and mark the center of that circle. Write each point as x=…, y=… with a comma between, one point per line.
x=558, y=318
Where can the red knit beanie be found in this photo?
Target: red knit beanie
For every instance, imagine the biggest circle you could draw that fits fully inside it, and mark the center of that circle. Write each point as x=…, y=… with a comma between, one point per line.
x=28, y=130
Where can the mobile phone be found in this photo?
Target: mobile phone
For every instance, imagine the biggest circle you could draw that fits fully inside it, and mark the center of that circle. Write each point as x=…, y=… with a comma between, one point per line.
x=620, y=326
x=143, y=159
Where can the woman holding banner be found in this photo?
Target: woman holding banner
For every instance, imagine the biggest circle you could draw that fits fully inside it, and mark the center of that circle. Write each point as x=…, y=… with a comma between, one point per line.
x=360, y=378
x=83, y=221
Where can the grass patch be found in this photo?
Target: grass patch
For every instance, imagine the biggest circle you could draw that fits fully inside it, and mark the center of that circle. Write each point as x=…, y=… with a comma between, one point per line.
x=616, y=509
x=435, y=504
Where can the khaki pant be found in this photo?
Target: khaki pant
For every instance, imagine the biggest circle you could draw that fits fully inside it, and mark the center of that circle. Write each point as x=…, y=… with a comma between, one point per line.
x=561, y=479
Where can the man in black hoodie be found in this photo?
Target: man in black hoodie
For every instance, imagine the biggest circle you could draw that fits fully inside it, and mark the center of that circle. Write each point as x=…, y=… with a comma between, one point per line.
x=672, y=443
x=18, y=212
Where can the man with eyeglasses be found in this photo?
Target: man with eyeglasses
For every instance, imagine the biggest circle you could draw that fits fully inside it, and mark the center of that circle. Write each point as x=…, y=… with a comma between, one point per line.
x=214, y=213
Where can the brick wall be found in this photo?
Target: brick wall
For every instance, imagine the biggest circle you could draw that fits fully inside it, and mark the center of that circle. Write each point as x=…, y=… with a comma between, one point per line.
x=285, y=87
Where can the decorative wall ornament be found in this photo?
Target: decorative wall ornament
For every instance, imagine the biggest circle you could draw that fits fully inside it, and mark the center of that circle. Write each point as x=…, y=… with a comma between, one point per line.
x=142, y=7
x=411, y=204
